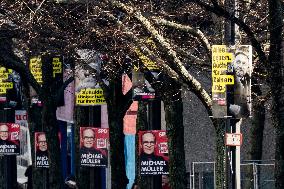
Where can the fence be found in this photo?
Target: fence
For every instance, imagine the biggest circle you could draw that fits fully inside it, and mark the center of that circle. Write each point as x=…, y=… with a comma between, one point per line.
x=258, y=174
x=254, y=175
x=202, y=175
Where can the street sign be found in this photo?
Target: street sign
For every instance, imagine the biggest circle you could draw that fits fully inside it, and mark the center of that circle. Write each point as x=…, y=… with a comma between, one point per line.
x=234, y=139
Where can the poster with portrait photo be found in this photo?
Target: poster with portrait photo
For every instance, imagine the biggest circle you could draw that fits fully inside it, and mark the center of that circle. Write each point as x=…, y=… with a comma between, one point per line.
x=94, y=146
x=242, y=68
x=87, y=89
x=153, y=152
x=41, y=150
x=142, y=89
x=9, y=139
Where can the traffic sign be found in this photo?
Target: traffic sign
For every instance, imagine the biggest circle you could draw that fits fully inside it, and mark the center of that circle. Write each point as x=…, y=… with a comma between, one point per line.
x=234, y=139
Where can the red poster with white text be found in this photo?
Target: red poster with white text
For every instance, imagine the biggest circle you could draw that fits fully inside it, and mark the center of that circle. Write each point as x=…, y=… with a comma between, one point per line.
x=9, y=139
x=153, y=152
x=94, y=146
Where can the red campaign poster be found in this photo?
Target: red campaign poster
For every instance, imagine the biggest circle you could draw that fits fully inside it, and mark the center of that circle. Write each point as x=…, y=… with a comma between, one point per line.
x=9, y=139
x=94, y=146
x=41, y=150
x=153, y=152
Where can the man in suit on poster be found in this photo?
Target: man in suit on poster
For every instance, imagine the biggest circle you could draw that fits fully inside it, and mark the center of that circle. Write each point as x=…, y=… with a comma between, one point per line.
x=41, y=151
x=150, y=163
x=89, y=154
x=6, y=145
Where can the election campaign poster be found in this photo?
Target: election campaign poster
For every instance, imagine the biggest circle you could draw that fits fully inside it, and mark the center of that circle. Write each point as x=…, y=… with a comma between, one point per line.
x=142, y=89
x=21, y=118
x=231, y=79
x=35, y=64
x=9, y=139
x=153, y=152
x=5, y=82
x=94, y=146
x=41, y=151
x=221, y=60
x=87, y=89
x=242, y=68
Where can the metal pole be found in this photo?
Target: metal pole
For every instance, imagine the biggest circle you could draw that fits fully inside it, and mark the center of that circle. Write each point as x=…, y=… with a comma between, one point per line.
x=193, y=186
x=214, y=174
x=238, y=158
x=237, y=124
x=230, y=37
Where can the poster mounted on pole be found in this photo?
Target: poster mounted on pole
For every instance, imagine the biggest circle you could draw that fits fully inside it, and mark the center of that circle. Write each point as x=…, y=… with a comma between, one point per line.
x=242, y=69
x=221, y=58
x=35, y=66
x=9, y=139
x=6, y=83
x=231, y=67
x=142, y=89
x=41, y=151
x=21, y=118
x=94, y=146
x=153, y=152
x=87, y=89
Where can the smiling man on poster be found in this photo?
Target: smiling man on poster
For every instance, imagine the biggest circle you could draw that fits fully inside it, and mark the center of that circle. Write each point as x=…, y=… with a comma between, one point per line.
x=90, y=156
x=9, y=138
x=150, y=163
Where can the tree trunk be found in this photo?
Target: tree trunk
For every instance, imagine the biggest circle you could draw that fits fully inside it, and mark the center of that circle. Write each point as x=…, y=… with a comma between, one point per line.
x=276, y=79
x=49, y=123
x=117, y=106
x=52, y=130
x=117, y=159
x=83, y=173
x=221, y=173
x=175, y=134
x=145, y=182
x=39, y=175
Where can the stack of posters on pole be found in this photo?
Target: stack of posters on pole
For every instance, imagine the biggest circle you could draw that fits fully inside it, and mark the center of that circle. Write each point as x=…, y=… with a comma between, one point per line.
x=94, y=146
x=41, y=151
x=153, y=152
x=231, y=66
x=9, y=139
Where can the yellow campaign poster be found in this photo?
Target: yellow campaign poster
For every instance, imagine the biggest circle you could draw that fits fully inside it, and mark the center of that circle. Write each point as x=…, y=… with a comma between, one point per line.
x=57, y=66
x=4, y=80
x=88, y=96
x=152, y=66
x=35, y=68
x=221, y=58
